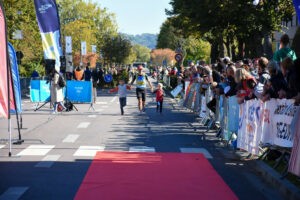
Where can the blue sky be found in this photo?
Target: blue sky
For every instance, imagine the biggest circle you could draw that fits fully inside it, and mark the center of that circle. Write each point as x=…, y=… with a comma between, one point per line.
x=137, y=16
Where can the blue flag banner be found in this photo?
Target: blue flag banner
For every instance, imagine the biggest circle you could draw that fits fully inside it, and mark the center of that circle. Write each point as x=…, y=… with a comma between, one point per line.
x=79, y=91
x=15, y=77
x=297, y=8
x=48, y=21
x=39, y=91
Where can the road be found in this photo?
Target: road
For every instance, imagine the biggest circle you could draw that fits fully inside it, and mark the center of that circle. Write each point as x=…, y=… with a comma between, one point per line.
x=59, y=149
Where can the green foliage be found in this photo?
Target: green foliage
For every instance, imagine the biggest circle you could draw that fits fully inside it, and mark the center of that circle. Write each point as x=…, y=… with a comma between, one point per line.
x=27, y=69
x=142, y=53
x=145, y=39
x=116, y=49
x=223, y=22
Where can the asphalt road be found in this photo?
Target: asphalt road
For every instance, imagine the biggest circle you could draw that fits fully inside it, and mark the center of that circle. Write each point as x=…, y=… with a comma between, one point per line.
x=58, y=149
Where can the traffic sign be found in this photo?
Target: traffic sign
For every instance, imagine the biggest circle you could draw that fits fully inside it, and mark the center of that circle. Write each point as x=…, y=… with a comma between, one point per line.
x=178, y=57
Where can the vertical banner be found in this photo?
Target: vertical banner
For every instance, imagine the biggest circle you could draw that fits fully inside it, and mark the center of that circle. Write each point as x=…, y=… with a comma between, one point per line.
x=297, y=8
x=294, y=163
x=15, y=78
x=94, y=49
x=83, y=48
x=48, y=21
x=4, y=72
x=68, y=44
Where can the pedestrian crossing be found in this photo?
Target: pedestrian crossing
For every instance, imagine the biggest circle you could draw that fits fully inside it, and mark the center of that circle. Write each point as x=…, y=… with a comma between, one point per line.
x=44, y=151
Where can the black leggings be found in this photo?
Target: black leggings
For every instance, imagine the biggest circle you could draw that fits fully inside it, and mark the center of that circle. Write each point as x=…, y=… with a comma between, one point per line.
x=159, y=105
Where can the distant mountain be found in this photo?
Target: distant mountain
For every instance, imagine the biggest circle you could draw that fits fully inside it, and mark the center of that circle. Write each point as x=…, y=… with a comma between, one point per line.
x=145, y=39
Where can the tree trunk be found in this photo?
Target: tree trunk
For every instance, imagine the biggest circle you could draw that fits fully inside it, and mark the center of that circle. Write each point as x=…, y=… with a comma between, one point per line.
x=268, y=52
x=241, y=49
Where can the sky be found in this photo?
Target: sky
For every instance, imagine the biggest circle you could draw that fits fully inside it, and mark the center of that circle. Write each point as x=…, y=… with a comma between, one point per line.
x=137, y=16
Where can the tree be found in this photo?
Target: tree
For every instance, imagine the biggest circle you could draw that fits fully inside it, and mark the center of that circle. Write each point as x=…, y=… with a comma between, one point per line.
x=116, y=49
x=142, y=53
x=158, y=56
x=225, y=23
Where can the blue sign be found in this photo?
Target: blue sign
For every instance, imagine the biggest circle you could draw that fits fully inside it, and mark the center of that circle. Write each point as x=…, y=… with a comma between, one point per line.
x=39, y=91
x=79, y=91
x=108, y=78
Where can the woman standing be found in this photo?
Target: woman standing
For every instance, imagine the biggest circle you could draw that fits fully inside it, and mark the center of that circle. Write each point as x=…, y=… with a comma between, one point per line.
x=57, y=97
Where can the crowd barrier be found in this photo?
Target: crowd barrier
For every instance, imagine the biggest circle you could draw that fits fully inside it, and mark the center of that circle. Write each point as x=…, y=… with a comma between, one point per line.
x=256, y=124
x=75, y=91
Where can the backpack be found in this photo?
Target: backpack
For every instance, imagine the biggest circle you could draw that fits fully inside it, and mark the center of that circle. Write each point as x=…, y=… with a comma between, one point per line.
x=61, y=81
x=69, y=105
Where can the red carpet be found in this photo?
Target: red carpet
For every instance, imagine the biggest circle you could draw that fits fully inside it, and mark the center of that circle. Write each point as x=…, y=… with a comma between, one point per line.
x=155, y=176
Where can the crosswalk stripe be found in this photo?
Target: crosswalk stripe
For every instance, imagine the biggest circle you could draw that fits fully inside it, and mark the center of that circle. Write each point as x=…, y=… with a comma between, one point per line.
x=141, y=149
x=113, y=99
x=36, y=150
x=92, y=116
x=2, y=146
x=89, y=151
x=101, y=103
x=48, y=161
x=13, y=193
x=71, y=138
x=197, y=150
x=83, y=125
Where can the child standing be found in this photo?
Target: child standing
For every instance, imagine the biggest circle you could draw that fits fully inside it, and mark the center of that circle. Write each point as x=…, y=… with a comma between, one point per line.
x=122, y=92
x=159, y=97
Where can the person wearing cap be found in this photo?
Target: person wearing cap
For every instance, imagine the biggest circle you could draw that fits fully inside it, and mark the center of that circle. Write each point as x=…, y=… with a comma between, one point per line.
x=141, y=84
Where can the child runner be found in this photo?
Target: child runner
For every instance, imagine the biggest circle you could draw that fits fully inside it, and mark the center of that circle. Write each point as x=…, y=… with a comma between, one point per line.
x=159, y=97
x=122, y=92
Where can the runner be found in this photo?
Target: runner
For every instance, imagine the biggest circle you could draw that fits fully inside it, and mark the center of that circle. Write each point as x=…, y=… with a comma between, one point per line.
x=141, y=79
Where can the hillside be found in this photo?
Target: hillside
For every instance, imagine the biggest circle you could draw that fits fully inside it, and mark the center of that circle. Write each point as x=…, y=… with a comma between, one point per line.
x=145, y=39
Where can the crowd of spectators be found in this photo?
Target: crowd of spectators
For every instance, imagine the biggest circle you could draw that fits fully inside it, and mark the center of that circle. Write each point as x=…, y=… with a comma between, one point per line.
x=259, y=78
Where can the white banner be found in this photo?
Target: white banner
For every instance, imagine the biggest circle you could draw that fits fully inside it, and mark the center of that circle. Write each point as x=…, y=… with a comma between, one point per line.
x=249, y=133
x=94, y=48
x=83, y=48
x=68, y=44
x=176, y=91
x=282, y=120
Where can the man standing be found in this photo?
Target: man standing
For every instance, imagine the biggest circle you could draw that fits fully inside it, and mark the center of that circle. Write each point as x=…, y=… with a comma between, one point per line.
x=141, y=79
x=284, y=51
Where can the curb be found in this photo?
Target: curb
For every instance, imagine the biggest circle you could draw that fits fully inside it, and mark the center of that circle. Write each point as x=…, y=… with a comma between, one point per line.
x=272, y=177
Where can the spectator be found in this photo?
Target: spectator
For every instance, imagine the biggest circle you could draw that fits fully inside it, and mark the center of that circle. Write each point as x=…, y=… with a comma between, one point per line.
x=241, y=78
x=78, y=74
x=284, y=51
x=230, y=81
x=263, y=72
x=35, y=75
x=275, y=83
x=87, y=74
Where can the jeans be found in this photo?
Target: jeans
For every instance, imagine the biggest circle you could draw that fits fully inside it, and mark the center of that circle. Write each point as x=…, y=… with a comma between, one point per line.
x=122, y=101
x=159, y=106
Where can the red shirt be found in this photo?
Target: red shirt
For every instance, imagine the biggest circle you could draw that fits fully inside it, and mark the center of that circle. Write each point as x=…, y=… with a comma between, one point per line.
x=159, y=95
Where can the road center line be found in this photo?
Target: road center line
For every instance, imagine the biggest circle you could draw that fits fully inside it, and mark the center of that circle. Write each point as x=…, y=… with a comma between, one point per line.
x=71, y=138
x=48, y=161
x=83, y=125
x=14, y=193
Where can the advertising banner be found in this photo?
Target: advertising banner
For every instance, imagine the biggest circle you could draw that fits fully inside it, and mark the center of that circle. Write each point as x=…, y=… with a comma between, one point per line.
x=79, y=91
x=48, y=21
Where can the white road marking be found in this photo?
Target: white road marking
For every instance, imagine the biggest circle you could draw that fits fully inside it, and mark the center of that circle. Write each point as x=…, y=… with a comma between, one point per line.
x=13, y=193
x=36, y=150
x=197, y=150
x=113, y=99
x=89, y=151
x=48, y=161
x=104, y=106
x=92, y=116
x=99, y=110
x=2, y=146
x=101, y=103
x=71, y=138
x=141, y=149
x=83, y=125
